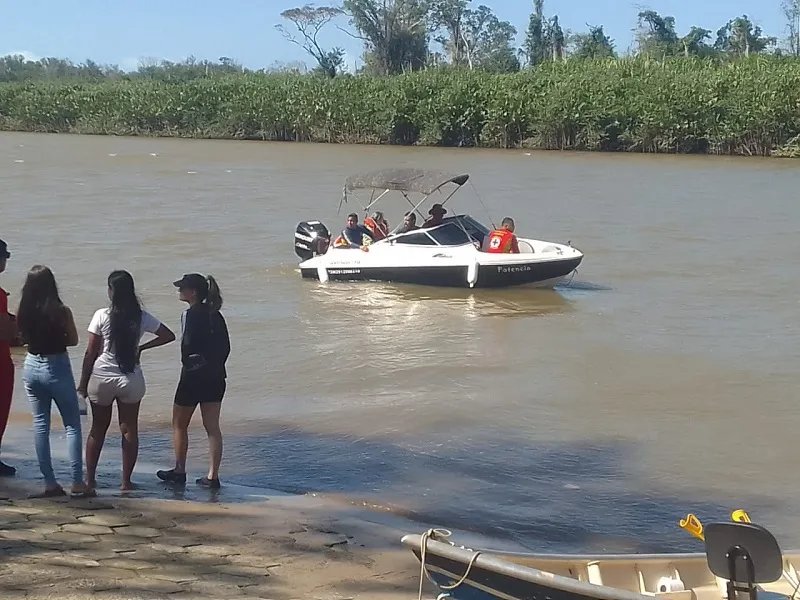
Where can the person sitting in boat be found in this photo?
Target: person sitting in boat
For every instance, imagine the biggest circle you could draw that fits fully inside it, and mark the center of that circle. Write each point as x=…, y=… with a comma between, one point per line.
x=409, y=223
x=378, y=225
x=354, y=235
x=503, y=240
x=437, y=212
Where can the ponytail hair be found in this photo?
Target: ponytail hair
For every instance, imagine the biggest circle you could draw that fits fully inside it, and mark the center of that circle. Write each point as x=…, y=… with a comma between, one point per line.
x=214, y=296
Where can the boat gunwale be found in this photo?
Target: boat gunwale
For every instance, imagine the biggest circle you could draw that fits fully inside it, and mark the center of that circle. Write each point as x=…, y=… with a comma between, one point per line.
x=497, y=561
x=489, y=562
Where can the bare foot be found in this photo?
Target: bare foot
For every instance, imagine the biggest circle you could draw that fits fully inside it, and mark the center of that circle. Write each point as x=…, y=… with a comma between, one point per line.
x=128, y=486
x=81, y=490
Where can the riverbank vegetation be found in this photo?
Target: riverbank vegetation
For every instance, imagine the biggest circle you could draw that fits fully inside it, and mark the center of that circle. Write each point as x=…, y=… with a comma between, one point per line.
x=446, y=73
x=743, y=107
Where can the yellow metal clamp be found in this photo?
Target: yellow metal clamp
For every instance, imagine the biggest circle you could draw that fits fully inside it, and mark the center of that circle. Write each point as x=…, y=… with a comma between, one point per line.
x=693, y=525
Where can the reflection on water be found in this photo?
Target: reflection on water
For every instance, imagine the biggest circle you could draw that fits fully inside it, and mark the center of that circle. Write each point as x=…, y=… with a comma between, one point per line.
x=425, y=306
x=605, y=407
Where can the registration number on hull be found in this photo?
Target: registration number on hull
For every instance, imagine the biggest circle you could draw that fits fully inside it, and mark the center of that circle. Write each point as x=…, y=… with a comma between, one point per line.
x=344, y=271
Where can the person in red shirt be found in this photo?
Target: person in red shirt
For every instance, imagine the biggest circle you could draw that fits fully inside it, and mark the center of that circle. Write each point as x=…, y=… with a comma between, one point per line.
x=8, y=333
x=503, y=240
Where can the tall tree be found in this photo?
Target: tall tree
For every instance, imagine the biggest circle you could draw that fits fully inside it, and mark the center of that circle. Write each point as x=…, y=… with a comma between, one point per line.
x=544, y=39
x=740, y=37
x=556, y=38
x=474, y=38
x=493, y=41
x=595, y=44
x=656, y=36
x=694, y=43
x=309, y=21
x=535, y=46
x=448, y=21
x=791, y=10
x=395, y=33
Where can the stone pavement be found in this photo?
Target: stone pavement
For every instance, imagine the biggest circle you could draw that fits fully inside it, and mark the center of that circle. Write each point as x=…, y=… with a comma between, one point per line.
x=109, y=549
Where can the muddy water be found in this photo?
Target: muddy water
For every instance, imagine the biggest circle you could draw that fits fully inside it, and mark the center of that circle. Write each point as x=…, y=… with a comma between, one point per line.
x=662, y=380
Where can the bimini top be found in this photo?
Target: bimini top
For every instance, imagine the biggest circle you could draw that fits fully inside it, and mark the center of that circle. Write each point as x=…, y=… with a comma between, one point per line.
x=404, y=180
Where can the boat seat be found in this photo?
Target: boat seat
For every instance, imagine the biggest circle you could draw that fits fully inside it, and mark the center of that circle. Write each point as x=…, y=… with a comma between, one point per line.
x=593, y=571
x=741, y=555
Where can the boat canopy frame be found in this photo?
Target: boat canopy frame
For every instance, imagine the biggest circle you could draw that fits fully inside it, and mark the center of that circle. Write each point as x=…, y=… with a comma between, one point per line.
x=403, y=180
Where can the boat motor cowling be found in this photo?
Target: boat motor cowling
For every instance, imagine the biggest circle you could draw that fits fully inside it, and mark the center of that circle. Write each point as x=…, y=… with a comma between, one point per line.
x=311, y=238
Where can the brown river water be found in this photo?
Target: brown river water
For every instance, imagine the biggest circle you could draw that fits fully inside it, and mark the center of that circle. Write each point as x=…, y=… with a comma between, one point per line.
x=662, y=380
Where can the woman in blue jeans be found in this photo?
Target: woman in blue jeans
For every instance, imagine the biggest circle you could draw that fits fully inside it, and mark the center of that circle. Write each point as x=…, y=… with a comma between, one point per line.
x=48, y=327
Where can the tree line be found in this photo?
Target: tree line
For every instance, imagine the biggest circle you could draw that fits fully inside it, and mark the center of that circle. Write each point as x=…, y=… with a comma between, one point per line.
x=400, y=36
x=408, y=35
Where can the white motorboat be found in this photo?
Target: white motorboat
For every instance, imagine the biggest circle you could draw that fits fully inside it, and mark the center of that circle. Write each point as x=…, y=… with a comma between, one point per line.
x=449, y=254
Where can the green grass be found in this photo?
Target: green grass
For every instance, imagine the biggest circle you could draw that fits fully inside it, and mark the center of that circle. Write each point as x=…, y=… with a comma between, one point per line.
x=748, y=107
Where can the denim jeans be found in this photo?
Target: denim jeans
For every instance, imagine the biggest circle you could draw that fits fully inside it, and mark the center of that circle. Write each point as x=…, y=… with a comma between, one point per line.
x=48, y=379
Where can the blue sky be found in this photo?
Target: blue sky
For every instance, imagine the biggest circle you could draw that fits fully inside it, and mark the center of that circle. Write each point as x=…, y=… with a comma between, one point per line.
x=123, y=31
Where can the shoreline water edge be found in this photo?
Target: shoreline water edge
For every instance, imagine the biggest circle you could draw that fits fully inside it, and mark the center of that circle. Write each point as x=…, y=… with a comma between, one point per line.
x=194, y=543
x=745, y=107
x=114, y=548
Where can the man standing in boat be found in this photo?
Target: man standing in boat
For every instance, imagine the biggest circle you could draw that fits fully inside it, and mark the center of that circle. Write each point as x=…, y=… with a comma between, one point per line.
x=503, y=240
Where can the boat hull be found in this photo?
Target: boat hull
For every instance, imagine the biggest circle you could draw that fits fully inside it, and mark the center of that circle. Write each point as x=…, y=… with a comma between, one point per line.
x=545, y=274
x=486, y=584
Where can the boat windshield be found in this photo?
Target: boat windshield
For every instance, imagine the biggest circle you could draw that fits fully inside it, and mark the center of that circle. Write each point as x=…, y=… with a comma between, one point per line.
x=416, y=238
x=450, y=234
x=447, y=234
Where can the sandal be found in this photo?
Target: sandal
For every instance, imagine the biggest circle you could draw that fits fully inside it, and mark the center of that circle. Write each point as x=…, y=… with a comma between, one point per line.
x=87, y=493
x=172, y=476
x=214, y=484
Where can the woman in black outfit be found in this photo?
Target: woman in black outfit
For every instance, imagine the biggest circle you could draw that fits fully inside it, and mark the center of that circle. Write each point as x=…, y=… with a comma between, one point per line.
x=205, y=348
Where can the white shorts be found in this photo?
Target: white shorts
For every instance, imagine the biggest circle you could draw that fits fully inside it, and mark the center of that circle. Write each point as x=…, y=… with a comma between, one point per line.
x=127, y=389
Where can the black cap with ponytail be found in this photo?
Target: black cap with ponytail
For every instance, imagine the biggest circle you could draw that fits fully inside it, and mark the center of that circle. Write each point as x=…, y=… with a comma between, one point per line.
x=206, y=288
x=214, y=296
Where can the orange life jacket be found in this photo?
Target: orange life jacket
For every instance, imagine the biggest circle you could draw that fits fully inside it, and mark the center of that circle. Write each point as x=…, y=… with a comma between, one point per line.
x=379, y=230
x=502, y=241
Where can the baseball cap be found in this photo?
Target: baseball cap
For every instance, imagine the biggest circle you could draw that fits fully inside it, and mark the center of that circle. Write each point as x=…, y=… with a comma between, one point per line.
x=4, y=253
x=191, y=281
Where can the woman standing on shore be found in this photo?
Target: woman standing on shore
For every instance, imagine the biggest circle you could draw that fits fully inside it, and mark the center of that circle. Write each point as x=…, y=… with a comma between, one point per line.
x=205, y=347
x=111, y=371
x=46, y=323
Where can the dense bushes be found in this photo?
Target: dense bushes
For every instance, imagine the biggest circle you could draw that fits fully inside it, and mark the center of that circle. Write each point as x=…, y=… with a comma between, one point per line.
x=749, y=106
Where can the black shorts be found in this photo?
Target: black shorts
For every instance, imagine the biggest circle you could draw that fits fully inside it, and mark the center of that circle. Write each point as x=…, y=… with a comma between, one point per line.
x=199, y=390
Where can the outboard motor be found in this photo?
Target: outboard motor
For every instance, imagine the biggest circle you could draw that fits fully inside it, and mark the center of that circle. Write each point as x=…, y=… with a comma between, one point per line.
x=311, y=238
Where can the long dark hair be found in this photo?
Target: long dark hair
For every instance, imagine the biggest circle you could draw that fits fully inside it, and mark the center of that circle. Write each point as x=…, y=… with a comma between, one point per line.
x=40, y=307
x=125, y=317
